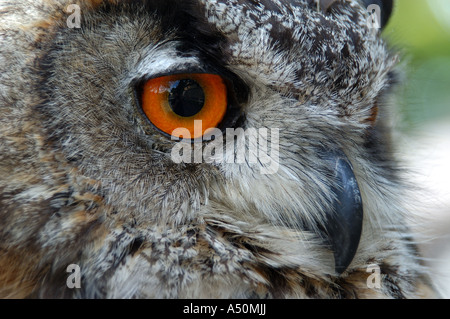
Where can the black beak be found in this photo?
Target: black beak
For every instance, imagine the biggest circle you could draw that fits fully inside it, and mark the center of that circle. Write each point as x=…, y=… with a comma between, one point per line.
x=343, y=226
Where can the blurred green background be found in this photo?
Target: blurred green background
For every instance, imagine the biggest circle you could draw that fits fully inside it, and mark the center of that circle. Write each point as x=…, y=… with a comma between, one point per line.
x=421, y=30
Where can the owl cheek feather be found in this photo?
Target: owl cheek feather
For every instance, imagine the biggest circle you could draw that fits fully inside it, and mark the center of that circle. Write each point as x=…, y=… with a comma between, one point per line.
x=343, y=226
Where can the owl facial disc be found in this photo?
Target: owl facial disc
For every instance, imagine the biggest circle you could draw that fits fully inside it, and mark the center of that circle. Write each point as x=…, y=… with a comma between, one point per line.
x=343, y=226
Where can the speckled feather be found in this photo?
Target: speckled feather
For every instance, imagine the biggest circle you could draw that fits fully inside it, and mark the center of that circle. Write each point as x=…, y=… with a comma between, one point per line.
x=84, y=178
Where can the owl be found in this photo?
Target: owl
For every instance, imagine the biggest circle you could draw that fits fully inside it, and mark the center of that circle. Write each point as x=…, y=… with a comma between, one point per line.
x=202, y=149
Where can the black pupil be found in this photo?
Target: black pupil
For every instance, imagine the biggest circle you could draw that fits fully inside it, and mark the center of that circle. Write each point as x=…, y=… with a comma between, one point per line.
x=186, y=97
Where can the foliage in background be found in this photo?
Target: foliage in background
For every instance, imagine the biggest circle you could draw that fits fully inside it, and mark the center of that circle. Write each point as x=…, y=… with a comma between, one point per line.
x=421, y=28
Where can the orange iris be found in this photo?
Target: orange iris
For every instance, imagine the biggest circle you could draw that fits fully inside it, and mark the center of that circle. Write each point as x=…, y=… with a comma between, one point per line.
x=178, y=101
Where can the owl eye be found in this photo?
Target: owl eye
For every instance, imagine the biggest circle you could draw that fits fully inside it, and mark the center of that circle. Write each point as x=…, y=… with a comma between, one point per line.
x=178, y=101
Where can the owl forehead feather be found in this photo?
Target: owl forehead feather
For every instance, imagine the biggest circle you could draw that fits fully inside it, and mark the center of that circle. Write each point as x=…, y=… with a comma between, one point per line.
x=283, y=22
x=294, y=42
x=299, y=45
x=287, y=24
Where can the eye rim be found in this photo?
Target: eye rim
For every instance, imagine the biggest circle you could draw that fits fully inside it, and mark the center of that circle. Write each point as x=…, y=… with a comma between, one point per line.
x=158, y=109
x=237, y=95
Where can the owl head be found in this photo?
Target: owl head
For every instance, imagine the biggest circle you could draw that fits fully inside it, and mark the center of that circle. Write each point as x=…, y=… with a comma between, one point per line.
x=200, y=148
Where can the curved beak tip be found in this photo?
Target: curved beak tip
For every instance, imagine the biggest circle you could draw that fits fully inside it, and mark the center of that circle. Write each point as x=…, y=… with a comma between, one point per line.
x=343, y=226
